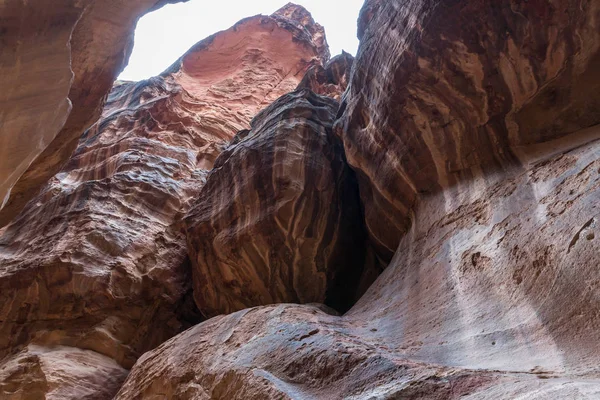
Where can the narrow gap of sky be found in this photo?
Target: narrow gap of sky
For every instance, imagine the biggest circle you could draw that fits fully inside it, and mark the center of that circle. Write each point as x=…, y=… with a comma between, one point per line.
x=165, y=35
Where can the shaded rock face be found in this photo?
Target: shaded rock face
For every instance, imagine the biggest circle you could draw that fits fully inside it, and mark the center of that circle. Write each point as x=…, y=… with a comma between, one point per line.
x=53, y=89
x=95, y=267
x=278, y=219
x=445, y=92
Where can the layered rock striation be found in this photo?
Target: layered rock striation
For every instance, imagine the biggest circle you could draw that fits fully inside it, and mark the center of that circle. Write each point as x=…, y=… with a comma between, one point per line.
x=96, y=267
x=446, y=92
x=57, y=63
x=477, y=152
x=473, y=131
x=491, y=294
x=278, y=220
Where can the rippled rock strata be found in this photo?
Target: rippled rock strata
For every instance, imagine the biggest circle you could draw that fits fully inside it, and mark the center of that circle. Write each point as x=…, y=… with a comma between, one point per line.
x=96, y=263
x=447, y=92
x=278, y=219
x=491, y=295
x=472, y=128
x=58, y=62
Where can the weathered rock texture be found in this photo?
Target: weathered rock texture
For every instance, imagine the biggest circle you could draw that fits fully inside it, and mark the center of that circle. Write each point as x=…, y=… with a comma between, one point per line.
x=492, y=294
x=445, y=92
x=329, y=80
x=96, y=262
x=473, y=129
x=279, y=218
x=59, y=373
x=58, y=60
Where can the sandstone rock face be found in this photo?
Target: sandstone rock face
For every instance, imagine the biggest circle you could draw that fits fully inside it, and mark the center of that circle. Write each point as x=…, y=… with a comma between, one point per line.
x=59, y=373
x=492, y=294
x=286, y=352
x=53, y=89
x=329, y=80
x=473, y=130
x=95, y=267
x=445, y=92
x=279, y=218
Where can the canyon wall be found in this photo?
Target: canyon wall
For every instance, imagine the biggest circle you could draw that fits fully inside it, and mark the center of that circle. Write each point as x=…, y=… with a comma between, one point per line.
x=94, y=270
x=470, y=130
x=447, y=92
x=278, y=220
x=58, y=62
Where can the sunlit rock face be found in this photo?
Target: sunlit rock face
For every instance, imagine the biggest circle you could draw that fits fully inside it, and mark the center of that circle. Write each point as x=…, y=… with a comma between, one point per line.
x=288, y=352
x=481, y=184
x=278, y=220
x=446, y=92
x=97, y=263
x=59, y=373
x=58, y=61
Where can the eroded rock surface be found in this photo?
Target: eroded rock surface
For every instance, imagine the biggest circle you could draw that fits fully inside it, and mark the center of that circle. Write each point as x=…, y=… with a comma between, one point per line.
x=492, y=294
x=96, y=261
x=59, y=373
x=286, y=352
x=445, y=92
x=279, y=218
x=331, y=79
x=477, y=151
x=53, y=89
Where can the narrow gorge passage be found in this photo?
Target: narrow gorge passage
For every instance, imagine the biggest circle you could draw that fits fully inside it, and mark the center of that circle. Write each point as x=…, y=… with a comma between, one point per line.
x=265, y=221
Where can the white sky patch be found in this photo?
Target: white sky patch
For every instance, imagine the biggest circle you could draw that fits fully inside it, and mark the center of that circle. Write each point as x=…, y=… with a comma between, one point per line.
x=165, y=35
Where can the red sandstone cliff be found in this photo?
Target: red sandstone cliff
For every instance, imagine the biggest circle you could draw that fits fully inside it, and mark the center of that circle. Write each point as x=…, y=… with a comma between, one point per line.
x=58, y=61
x=94, y=270
x=472, y=129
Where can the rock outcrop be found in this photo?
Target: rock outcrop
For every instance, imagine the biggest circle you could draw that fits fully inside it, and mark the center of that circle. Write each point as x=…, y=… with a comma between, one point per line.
x=278, y=220
x=445, y=92
x=95, y=267
x=59, y=373
x=57, y=63
x=473, y=129
x=489, y=298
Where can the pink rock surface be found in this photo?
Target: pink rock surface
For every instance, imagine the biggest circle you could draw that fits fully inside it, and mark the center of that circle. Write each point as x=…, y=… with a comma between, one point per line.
x=278, y=220
x=490, y=295
x=97, y=261
x=472, y=127
x=57, y=63
x=446, y=92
